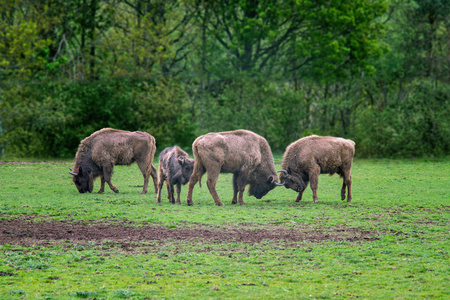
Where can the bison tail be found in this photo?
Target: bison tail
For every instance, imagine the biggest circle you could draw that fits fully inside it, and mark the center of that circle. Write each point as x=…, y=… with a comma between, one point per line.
x=199, y=169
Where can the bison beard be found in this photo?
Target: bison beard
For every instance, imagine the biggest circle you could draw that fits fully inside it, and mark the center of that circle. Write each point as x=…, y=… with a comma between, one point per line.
x=101, y=151
x=241, y=152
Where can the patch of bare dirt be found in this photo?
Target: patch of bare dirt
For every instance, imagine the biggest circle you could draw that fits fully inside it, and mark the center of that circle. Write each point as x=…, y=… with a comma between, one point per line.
x=27, y=231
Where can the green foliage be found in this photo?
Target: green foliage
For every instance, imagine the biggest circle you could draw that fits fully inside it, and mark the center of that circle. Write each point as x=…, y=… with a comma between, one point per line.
x=54, y=126
x=415, y=127
x=270, y=109
x=373, y=71
x=29, y=120
x=164, y=110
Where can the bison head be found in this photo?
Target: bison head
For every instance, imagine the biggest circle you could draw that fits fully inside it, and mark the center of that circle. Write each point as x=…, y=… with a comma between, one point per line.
x=292, y=181
x=260, y=188
x=187, y=167
x=84, y=180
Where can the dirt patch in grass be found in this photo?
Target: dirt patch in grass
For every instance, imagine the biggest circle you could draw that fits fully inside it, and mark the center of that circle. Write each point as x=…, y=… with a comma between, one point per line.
x=28, y=230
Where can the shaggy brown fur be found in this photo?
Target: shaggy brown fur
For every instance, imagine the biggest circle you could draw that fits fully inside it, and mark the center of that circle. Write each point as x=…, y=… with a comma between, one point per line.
x=175, y=168
x=310, y=156
x=101, y=151
x=241, y=152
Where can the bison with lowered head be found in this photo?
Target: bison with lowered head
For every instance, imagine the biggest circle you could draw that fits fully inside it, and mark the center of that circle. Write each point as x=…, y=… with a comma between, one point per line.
x=241, y=152
x=101, y=151
x=175, y=167
x=310, y=156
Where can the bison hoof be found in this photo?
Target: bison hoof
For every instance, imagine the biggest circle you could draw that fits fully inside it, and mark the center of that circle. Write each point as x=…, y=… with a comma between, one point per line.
x=189, y=202
x=233, y=202
x=219, y=203
x=316, y=201
x=116, y=191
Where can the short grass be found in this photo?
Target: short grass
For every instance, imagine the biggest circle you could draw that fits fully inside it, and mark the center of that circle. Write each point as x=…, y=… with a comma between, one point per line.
x=406, y=203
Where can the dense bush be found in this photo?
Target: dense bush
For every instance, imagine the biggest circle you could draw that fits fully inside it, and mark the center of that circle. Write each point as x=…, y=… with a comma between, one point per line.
x=50, y=119
x=416, y=127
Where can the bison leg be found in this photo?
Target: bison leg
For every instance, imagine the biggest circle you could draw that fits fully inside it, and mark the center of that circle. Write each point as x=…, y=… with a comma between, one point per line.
x=107, y=175
x=348, y=182
x=155, y=178
x=146, y=170
x=241, y=183
x=170, y=192
x=238, y=186
x=213, y=176
x=344, y=186
x=195, y=177
x=168, y=188
x=314, y=183
x=160, y=185
x=178, y=192
x=192, y=181
x=102, y=185
x=235, y=190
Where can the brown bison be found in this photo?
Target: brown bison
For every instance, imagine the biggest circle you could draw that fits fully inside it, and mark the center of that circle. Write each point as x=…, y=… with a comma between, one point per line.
x=243, y=153
x=101, y=151
x=310, y=156
x=175, y=167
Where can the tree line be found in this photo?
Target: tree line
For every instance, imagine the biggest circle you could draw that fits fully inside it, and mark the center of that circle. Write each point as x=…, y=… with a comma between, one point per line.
x=375, y=71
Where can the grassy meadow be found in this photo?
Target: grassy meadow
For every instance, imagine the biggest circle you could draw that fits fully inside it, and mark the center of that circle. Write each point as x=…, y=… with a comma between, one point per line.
x=403, y=204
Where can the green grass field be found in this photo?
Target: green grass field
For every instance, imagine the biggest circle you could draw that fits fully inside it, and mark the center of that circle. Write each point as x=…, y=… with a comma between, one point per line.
x=403, y=205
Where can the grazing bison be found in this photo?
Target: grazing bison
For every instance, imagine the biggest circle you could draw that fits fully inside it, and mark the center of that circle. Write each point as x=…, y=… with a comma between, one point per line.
x=175, y=167
x=243, y=153
x=310, y=156
x=101, y=151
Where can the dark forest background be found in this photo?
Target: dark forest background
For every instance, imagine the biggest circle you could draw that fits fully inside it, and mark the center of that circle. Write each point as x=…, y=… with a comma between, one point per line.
x=374, y=71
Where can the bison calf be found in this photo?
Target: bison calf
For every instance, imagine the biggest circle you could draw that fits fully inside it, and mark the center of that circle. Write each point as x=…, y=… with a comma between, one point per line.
x=175, y=167
x=101, y=151
x=310, y=156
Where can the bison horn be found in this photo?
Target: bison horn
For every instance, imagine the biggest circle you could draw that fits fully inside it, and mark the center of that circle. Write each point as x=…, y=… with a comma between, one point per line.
x=74, y=174
x=276, y=183
x=284, y=172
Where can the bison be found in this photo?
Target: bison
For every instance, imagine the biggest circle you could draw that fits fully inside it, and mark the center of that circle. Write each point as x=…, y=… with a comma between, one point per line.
x=175, y=167
x=101, y=151
x=310, y=156
x=241, y=152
